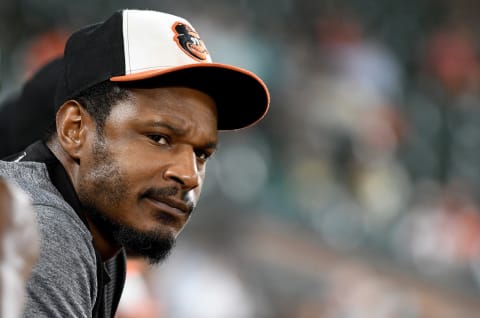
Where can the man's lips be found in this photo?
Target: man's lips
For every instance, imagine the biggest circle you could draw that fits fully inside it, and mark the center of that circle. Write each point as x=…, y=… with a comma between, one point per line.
x=172, y=207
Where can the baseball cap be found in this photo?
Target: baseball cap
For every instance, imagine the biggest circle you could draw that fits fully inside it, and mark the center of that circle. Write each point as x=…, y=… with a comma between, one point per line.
x=139, y=45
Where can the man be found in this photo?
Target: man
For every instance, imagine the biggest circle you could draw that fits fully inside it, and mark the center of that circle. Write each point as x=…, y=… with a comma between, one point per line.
x=139, y=105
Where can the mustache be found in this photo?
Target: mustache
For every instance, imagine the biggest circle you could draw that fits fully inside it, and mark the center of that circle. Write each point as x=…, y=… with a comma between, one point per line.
x=169, y=195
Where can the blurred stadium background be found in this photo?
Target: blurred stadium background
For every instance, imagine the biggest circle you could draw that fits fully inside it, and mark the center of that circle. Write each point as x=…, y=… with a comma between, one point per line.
x=357, y=196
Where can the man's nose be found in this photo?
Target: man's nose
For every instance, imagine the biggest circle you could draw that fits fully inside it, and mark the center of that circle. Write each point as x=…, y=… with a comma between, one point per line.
x=184, y=169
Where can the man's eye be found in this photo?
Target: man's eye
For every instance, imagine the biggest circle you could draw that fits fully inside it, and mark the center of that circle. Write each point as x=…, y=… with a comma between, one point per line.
x=159, y=139
x=202, y=155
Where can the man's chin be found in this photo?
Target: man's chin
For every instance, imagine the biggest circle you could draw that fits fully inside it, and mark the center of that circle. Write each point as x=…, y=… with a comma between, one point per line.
x=152, y=255
x=153, y=246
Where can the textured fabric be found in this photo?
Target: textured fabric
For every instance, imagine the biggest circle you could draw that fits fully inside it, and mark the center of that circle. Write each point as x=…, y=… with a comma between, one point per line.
x=111, y=286
x=109, y=292
x=63, y=283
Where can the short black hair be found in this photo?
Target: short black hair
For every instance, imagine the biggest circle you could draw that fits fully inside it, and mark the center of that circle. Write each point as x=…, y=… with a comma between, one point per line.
x=98, y=101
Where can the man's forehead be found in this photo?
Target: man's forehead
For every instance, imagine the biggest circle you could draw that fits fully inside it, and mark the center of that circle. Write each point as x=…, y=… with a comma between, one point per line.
x=179, y=103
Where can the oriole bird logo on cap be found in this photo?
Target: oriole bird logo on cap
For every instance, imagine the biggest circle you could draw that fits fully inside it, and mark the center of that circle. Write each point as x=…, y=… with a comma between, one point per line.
x=189, y=41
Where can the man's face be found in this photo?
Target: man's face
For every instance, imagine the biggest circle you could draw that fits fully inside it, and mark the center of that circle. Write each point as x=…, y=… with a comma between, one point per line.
x=144, y=173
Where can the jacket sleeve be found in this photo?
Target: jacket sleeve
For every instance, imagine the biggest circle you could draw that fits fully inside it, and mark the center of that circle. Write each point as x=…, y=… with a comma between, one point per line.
x=63, y=283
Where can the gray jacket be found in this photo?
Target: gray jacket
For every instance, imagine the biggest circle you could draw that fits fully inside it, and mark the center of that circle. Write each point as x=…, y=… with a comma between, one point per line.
x=63, y=283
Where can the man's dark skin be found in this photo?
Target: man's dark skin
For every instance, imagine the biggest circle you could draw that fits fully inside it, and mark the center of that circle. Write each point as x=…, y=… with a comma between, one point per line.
x=145, y=168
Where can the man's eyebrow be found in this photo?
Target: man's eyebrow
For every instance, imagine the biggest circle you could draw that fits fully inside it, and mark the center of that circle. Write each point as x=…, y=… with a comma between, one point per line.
x=162, y=124
x=178, y=131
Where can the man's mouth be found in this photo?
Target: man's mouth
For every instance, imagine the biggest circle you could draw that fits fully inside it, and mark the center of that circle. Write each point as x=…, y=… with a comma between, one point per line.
x=170, y=206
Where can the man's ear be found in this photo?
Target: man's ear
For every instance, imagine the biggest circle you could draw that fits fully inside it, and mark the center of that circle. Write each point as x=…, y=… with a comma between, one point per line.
x=74, y=125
